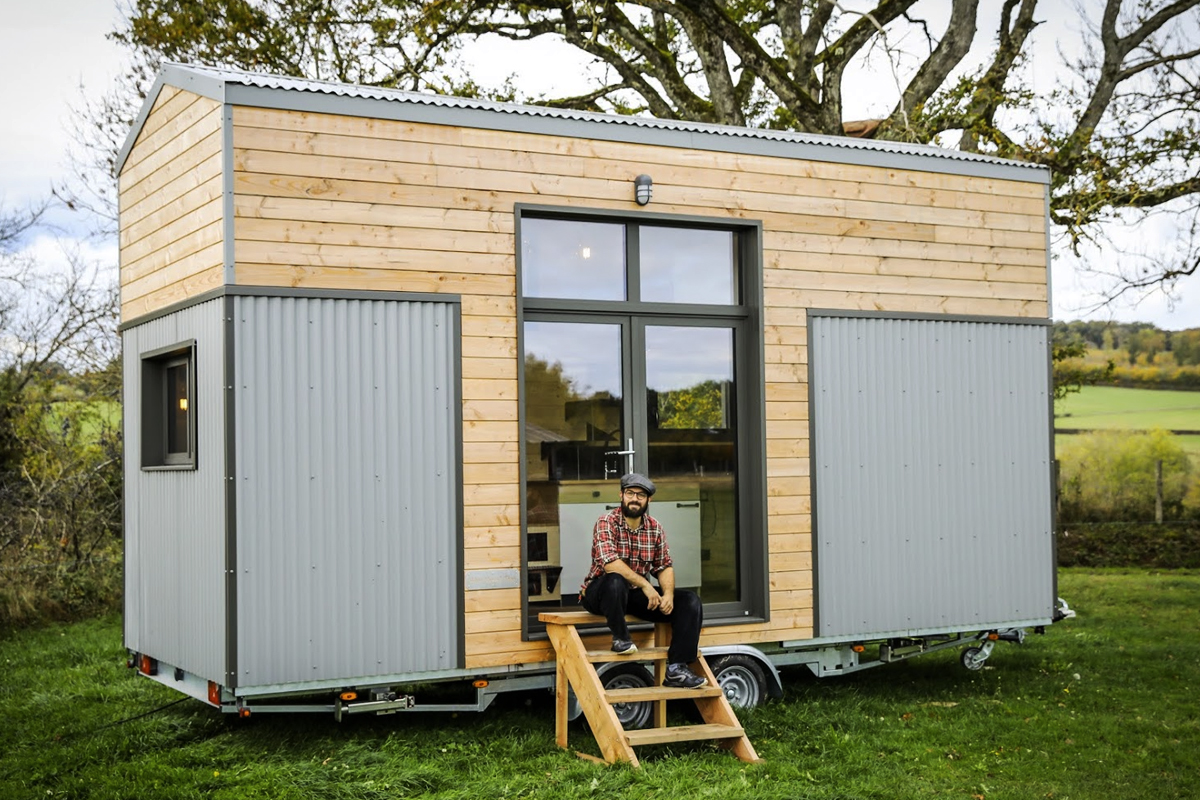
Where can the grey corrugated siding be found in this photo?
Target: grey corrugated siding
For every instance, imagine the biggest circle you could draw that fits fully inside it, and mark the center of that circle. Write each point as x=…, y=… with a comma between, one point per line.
x=347, y=488
x=932, y=464
x=175, y=520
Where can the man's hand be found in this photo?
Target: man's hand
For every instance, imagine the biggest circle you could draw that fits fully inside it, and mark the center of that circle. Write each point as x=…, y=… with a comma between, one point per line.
x=653, y=598
x=666, y=582
x=668, y=603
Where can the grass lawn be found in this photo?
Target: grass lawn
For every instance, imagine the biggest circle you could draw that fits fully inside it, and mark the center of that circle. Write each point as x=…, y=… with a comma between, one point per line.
x=1114, y=407
x=1103, y=706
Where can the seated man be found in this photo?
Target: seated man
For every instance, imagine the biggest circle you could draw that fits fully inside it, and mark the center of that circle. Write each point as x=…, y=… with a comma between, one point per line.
x=628, y=546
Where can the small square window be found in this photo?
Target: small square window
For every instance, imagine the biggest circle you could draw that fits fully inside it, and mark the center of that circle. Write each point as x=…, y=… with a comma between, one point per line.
x=169, y=408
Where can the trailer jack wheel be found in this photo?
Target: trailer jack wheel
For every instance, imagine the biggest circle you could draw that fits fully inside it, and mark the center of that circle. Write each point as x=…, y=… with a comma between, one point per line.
x=973, y=657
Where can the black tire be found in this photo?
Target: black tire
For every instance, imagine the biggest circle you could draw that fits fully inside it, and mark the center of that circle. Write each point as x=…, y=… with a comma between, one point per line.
x=742, y=679
x=971, y=660
x=630, y=676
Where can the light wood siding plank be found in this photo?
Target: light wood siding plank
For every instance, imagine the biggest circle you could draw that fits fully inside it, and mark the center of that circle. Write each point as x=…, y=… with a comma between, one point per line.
x=602, y=151
x=170, y=191
x=509, y=159
x=197, y=283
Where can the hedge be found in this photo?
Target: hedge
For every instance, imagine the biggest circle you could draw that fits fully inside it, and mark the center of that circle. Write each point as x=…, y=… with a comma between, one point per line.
x=1129, y=544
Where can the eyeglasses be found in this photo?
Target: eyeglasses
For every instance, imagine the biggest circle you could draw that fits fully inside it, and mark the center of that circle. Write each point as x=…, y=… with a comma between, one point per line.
x=636, y=494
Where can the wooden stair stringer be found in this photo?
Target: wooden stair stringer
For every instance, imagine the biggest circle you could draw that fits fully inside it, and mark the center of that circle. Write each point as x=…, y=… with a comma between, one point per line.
x=716, y=710
x=572, y=666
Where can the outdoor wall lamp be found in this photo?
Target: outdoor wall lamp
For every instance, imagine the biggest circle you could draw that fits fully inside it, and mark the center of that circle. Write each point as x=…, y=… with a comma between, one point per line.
x=643, y=187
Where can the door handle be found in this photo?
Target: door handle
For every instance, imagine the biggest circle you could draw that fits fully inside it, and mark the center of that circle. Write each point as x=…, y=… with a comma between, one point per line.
x=627, y=452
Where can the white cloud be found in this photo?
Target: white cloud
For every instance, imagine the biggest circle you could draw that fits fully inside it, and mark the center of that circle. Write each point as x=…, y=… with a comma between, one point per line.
x=50, y=51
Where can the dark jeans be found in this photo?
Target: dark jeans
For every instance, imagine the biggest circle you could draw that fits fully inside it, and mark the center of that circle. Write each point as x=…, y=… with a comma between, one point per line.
x=612, y=597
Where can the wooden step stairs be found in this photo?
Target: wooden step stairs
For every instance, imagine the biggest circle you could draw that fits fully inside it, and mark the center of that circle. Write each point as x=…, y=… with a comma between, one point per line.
x=575, y=668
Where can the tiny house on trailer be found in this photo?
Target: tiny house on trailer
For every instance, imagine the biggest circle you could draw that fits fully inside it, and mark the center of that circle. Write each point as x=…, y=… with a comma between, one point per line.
x=387, y=355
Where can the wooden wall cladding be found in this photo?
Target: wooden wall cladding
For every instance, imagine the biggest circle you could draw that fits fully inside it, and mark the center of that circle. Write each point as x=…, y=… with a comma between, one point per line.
x=171, y=211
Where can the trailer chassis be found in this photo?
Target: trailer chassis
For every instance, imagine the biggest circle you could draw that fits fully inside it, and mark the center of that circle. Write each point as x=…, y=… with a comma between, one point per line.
x=747, y=673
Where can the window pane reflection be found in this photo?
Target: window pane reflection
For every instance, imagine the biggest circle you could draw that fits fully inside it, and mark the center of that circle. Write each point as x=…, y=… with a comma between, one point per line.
x=693, y=454
x=573, y=416
x=177, y=409
x=689, y=375
x=572, y=398
x=687, y=265
x=572, y=259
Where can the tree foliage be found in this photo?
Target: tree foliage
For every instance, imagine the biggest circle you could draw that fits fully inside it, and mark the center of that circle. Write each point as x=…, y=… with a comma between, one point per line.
x=1070, y=374
x=60, y=462
x=1118, y=129
x=1111, y=475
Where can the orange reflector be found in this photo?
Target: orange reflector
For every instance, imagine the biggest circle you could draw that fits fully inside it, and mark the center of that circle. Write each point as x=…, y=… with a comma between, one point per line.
x=993, y=636
x=348, y=696
x=148, y=665
x=858, y=648
x=480, y=684
x=243, y=713
x=214, y=693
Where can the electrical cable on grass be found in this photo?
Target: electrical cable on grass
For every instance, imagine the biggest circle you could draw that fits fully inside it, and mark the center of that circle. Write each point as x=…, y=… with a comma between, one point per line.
x=64, y=736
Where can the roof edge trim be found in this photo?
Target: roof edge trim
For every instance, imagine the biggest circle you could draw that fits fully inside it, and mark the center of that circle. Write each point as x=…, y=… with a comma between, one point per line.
x=236, y=87
x=180, y=77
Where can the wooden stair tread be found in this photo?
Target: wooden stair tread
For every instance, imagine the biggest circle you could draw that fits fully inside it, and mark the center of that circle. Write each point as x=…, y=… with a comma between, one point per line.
x=649, y=693
x=683, y=733
x=574, y=618
x=642, y=654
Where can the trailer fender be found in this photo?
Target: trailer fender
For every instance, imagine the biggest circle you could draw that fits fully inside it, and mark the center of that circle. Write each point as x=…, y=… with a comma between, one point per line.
x=774, y=684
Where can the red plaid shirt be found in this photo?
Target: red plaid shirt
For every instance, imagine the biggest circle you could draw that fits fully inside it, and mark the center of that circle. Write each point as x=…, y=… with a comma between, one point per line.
x=644, y=550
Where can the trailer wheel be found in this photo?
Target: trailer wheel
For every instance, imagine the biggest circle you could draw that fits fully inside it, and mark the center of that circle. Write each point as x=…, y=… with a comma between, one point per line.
x=629, y=676
x=972, y=658
x=741, y=678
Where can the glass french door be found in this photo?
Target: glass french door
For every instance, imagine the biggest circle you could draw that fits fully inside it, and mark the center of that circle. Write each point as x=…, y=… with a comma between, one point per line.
x=606, y=394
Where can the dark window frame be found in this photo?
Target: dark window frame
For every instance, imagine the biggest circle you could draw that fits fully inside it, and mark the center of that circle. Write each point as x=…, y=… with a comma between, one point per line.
x=745, y=314
x=155, y=415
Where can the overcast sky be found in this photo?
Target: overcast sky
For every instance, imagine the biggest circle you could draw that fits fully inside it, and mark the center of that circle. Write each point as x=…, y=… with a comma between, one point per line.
x=54, y=51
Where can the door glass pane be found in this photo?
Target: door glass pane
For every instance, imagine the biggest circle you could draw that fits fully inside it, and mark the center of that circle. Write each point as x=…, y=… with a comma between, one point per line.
x=687, y=265
x=693, y=454
x=572, y=259
x=573, y=418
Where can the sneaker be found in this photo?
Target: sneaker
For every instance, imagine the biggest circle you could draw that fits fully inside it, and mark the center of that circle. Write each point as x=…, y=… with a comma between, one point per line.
x=623, y=647
x=680, y=677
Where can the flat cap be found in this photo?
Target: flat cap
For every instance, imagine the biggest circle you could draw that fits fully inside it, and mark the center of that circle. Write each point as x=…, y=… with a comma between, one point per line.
x=637, y=481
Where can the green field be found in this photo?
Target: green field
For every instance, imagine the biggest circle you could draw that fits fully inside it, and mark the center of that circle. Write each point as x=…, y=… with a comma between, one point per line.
x=1111, y=407
x=1117, y=408
x=1102, y=706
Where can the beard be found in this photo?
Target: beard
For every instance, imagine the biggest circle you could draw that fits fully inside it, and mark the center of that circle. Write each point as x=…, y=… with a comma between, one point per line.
x=634, y=513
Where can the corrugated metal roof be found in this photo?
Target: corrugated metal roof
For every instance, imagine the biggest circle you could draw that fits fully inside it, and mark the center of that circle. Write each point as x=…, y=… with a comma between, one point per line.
x=175, y=74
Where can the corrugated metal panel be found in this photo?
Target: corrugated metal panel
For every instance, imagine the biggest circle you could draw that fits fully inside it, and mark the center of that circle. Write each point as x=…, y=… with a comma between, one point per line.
x=175, y=520
x=189, y=76
x=348, y=534
x=931, y=471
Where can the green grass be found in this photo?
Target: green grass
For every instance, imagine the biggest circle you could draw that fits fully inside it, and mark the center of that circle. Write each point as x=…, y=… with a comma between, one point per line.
x=1103, y=706
x=1112, y=407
